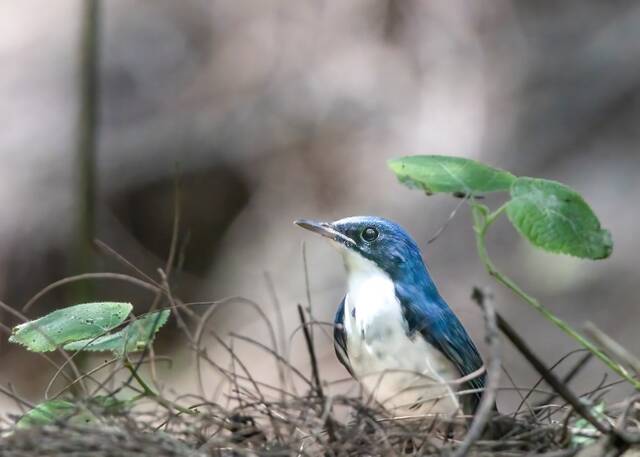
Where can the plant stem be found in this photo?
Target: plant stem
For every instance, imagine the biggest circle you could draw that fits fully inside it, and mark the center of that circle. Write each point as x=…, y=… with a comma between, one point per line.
x=482, y=221
x=148, y=391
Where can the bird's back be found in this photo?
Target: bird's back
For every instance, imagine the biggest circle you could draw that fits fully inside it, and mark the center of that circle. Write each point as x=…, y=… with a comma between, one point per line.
x=433, y=319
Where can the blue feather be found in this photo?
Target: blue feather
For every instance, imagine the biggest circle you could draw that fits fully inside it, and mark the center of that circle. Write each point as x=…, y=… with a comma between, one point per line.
x=340, y=338
x=433, y=319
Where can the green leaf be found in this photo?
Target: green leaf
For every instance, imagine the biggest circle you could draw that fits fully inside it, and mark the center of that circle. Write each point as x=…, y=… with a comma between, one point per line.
x=555, y=218
x=435, y=174
x=61, y=410
x=70, y=324
x=46, y=413
x=134, y=337
x=109, y=405
x=52, y=411
x=583, y=432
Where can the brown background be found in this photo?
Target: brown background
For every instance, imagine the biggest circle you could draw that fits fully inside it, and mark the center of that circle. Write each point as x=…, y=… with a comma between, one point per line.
x=275, y=110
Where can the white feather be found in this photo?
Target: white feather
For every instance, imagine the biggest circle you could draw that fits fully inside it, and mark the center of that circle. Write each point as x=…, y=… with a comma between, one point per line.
x=399, y=371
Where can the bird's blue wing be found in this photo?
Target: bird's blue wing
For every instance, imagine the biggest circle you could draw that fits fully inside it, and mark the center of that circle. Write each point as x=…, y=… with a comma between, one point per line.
x=340, y=338
x=435, y=321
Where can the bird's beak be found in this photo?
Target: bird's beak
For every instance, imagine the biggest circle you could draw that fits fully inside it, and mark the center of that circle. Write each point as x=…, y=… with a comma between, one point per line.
x=325, y=229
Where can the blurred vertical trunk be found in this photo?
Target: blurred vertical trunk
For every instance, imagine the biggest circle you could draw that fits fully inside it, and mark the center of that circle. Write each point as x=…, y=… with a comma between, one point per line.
x=82, y=260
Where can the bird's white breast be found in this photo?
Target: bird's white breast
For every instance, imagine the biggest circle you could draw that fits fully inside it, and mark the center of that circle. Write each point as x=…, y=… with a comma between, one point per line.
x=399, y=371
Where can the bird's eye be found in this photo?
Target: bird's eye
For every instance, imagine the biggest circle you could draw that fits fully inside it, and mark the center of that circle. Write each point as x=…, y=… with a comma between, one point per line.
x=369, y=234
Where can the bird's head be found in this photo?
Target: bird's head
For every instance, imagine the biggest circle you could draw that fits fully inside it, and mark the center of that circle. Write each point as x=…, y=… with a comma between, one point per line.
x=367, y=239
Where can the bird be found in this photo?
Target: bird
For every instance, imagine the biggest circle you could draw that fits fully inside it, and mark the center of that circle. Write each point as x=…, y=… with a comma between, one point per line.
x=393, y=331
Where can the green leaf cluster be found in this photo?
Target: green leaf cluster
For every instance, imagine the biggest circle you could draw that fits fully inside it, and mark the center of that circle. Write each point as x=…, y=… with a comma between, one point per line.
x=134, y=337
x=551, y=215
x=73, y=323
x=87, y=327
x=51, y=411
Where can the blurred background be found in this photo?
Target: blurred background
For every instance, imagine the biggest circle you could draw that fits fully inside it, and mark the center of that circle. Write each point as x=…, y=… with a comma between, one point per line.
x=271, y=110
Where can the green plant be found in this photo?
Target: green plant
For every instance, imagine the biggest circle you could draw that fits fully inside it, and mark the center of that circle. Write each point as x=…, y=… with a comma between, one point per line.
x=91, y=327
x=551, y=215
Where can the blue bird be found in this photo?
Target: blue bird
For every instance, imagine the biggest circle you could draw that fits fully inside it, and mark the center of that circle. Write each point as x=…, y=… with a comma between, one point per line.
x=393, y=331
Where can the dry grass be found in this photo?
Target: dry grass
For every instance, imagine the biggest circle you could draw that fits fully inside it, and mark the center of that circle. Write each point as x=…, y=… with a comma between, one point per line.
x=296, y=427
x=271, y=420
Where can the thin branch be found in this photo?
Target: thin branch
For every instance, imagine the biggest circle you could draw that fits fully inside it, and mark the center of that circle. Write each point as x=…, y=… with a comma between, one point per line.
x=612, y=347
x=16, y=398
x=86, y=276
x=550, y=378
x=452, y=215
x=108, y=250
x=316, y=374
x=486, y=408
x=175, y=231
x=282, y=347
x=541, y=380
x=577, y=368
